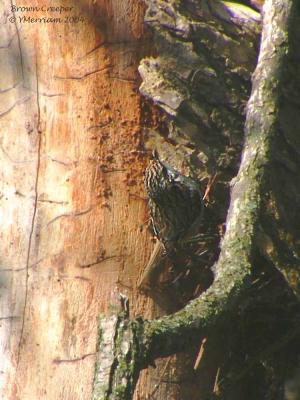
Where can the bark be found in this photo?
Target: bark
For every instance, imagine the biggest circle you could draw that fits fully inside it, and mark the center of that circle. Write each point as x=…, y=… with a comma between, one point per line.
x=261, y=235
x=73, y=130
x=71, y=182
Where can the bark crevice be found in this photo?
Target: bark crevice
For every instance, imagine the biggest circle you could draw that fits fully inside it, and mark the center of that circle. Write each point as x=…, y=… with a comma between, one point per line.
x=35, y=206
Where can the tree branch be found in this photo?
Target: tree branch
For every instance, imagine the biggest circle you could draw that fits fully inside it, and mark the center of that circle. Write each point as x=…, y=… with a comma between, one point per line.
x=234, y=267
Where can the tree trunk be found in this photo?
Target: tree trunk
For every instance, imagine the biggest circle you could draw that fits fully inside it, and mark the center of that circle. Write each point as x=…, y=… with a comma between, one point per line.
x=75, y=134
x=73, y=212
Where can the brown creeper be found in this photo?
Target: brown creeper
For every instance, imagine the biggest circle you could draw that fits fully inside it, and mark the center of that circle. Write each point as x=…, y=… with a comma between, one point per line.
x=175, y=203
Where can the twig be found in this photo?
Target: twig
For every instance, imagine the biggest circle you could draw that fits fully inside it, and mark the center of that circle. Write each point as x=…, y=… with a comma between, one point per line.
x=209, y=187
x=200, y=354
x=216, y=389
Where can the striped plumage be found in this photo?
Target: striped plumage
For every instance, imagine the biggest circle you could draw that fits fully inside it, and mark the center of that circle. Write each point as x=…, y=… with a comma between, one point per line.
x=175, y=203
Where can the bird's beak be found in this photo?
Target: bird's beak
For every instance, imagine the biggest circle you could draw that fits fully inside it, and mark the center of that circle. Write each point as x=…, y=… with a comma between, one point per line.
x=155, y=154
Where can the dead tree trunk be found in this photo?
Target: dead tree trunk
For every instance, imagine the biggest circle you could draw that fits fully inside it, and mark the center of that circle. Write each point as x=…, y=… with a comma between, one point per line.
x=74, y=141
x=71, y=202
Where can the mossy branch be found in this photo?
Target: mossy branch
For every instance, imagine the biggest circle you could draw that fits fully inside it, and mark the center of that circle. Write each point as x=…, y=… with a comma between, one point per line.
x=234, y=268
